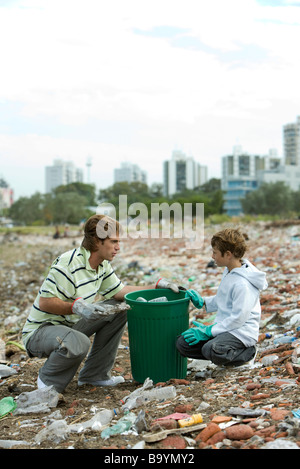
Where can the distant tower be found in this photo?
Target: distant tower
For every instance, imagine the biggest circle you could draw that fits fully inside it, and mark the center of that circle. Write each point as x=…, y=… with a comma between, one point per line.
x=88, y=165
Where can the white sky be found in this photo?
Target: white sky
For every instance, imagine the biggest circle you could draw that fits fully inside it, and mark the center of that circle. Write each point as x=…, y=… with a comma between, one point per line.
x=133, y=80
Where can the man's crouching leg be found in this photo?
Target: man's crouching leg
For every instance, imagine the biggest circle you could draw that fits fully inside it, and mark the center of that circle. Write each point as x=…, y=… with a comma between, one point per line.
x=64, y=348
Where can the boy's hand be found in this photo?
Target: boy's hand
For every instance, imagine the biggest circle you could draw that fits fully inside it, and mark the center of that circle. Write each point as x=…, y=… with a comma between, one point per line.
x=195, y=298
x=195, y=334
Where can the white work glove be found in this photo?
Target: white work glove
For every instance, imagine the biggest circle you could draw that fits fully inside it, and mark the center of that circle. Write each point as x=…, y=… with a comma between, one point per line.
x=163, y=283
x=94, y=311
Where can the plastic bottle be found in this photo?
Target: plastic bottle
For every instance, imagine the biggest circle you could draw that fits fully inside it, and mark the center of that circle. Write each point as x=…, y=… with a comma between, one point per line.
x=56, y=432
x=296, y=355
x=2, y=351
x=101, y=418
x=264, y=336
x=123, y=425
x=156, y=300
x=195, y=418
x=145, y=396
x=285, y=339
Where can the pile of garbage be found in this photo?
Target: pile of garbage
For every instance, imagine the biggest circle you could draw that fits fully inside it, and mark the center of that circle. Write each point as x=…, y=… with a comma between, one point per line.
x=254, y=406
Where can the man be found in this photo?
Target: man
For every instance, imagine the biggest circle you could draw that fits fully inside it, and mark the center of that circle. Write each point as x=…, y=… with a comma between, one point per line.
x=66, y=312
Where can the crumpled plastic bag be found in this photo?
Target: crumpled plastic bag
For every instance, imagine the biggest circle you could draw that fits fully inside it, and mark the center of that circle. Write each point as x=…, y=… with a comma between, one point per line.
x=40, y=400
x=7, y=406
x=6, y=371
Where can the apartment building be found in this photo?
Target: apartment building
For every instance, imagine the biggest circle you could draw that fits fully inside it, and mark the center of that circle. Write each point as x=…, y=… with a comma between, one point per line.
x=61, y=173
x=182, y=172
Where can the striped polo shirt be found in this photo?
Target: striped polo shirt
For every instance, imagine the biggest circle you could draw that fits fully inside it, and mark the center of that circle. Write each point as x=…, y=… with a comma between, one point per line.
x=70, y=277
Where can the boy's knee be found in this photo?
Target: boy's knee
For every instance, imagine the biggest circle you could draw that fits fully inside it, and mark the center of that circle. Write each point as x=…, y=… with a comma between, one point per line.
x=186, y=350
x=226, y=354
x=182, y=346
x=217, y=353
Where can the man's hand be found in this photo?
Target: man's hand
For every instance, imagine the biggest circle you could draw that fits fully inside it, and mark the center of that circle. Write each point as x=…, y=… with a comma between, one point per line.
x=163, y=283
x=94, y=311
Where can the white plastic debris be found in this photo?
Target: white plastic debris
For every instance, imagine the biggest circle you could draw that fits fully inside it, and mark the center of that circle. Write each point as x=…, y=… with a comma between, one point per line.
x=56, y=432
x=6, y=371
x=143, y=395
x=280, y=443
x=100, y=419
x=39, y=400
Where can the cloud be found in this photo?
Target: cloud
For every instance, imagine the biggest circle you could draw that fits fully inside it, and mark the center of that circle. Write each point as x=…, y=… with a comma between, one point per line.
x=130, y=80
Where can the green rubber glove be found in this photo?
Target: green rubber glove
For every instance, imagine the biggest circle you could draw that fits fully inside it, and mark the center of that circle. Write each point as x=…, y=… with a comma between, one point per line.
x=195, y=334
x=195, y=298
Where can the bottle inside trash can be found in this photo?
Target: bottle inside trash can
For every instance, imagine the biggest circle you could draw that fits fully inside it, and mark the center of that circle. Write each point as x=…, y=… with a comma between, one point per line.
x=157, y=300
x=192, y=420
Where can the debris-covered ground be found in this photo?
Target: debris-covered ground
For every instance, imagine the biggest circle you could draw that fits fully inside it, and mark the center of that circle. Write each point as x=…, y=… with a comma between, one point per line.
x=242, y=408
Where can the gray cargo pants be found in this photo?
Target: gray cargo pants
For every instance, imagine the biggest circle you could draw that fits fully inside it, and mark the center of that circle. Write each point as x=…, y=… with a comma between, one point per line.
x=66, y=347
x=224, y=349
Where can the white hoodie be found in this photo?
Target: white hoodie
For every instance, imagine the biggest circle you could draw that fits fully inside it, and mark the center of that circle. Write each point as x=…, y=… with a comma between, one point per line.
x=237, y=303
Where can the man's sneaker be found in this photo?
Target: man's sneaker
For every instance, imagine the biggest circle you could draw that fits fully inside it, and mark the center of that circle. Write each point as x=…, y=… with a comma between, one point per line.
x=40, y=383
x=113, y=381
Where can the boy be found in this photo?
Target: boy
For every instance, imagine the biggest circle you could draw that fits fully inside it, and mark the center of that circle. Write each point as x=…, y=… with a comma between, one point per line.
x=232, y=338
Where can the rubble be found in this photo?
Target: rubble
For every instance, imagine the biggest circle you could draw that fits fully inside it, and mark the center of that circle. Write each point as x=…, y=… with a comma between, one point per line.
x=249, y=407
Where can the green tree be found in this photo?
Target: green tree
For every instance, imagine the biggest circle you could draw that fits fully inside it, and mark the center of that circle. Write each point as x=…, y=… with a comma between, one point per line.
x=60, y=206
x=273, y=198
x=28, y=210
x=212, y=185
x=85, y=190
x=69, y=207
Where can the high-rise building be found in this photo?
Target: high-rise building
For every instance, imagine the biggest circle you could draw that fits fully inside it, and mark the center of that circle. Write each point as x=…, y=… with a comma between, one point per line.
x=182, y=172
x=291, y=143
x=6, y=195
x=129, y=173
x=61, y=173
x=239, y=176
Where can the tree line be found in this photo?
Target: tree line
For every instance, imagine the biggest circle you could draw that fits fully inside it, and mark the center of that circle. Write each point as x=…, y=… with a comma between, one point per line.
x=73, y=203
x=274, y=198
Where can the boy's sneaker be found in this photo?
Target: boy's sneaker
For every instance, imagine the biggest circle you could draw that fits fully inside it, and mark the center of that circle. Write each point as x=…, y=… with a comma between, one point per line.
x=113, y=381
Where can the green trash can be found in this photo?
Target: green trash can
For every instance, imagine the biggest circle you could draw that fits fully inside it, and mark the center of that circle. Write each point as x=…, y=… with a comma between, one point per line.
x=153, y=329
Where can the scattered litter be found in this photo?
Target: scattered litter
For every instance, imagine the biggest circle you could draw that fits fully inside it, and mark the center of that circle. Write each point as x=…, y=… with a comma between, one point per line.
x=40, y=400
x=6, y=371
x=100, y=419
x=248, y=412
x=7, y=406
x=153, y=437
x=280, y=443
x=123, y=425
x=8, y=444
x=56, y=432
x=144, y=395
x=248, y=407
